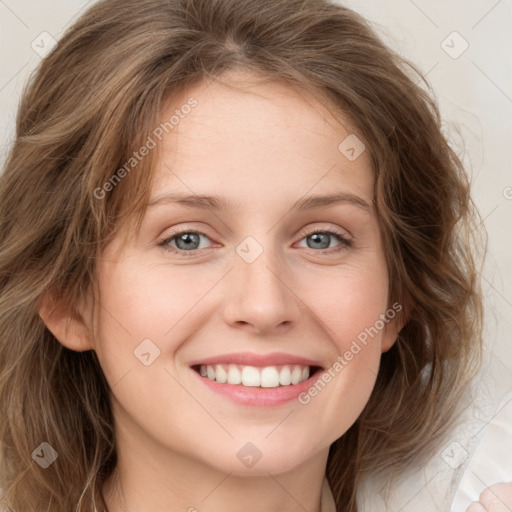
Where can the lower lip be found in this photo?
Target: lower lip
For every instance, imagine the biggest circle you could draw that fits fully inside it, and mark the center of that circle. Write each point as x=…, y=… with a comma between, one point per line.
x=252, y=395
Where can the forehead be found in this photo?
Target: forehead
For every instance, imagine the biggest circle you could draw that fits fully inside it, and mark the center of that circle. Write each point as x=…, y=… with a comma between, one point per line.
x=259, y=142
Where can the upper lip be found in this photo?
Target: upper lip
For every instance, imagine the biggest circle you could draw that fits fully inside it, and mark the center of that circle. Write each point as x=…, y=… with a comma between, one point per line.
x=249, y=359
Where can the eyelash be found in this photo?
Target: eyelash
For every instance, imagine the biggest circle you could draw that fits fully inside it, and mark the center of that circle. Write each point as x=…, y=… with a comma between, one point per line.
x=346, y=242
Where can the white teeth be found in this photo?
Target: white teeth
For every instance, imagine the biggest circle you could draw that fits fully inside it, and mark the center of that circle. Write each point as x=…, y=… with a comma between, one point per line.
x=285, y=376
x=220, y=374
x=251, y=376
x=234, y=375
x=269, y=377
x=296, y=374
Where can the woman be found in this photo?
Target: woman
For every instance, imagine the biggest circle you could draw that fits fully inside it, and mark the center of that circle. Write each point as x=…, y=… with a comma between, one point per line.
x=324, y=328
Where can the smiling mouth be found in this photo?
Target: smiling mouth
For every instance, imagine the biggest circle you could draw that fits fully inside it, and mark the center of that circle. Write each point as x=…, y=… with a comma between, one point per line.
x=254, y=376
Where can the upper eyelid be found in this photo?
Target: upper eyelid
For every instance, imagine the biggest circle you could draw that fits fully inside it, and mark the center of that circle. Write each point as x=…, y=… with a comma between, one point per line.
x=303, y=231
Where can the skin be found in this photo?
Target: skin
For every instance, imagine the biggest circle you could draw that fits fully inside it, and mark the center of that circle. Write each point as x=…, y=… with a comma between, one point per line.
x=263, y=147
x=497, y=498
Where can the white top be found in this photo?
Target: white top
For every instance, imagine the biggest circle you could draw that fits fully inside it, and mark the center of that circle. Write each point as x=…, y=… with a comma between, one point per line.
x=477, y=453
x=492, y=462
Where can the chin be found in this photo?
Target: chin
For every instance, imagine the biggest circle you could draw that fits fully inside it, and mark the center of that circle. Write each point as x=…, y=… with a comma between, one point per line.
x=259, y=458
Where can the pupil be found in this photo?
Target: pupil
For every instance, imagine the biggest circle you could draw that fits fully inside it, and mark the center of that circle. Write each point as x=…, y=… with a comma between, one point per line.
x=188, y=239
x=316, y=237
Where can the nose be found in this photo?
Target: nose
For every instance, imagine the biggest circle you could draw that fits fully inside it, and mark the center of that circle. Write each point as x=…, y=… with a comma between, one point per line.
x=260, y=297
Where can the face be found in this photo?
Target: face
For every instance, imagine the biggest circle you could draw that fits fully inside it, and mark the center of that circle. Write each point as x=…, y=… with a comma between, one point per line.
x=260, y=284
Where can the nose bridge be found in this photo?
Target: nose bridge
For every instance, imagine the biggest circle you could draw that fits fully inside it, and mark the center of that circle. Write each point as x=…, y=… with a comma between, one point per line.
x=259, y=294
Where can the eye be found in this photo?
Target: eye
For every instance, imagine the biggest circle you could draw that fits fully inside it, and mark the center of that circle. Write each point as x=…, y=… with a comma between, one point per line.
x=186, y=241
x=321, y=239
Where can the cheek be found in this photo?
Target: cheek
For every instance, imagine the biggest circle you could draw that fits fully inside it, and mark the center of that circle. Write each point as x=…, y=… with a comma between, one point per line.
x=146, y=308
x=133, y=309
x=349, y=301
x=146, y=301
x=352, y=311
x=142, y=322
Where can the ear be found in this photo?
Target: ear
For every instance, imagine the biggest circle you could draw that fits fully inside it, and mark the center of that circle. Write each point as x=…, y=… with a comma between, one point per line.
x=393, y=326
x=66, y=325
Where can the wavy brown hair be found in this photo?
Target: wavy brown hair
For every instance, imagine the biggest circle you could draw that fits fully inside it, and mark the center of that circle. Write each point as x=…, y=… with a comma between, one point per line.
x=95, y=99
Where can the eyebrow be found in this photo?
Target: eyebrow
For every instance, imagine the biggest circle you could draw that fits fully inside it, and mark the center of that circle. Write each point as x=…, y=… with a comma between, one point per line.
x=207, y=202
